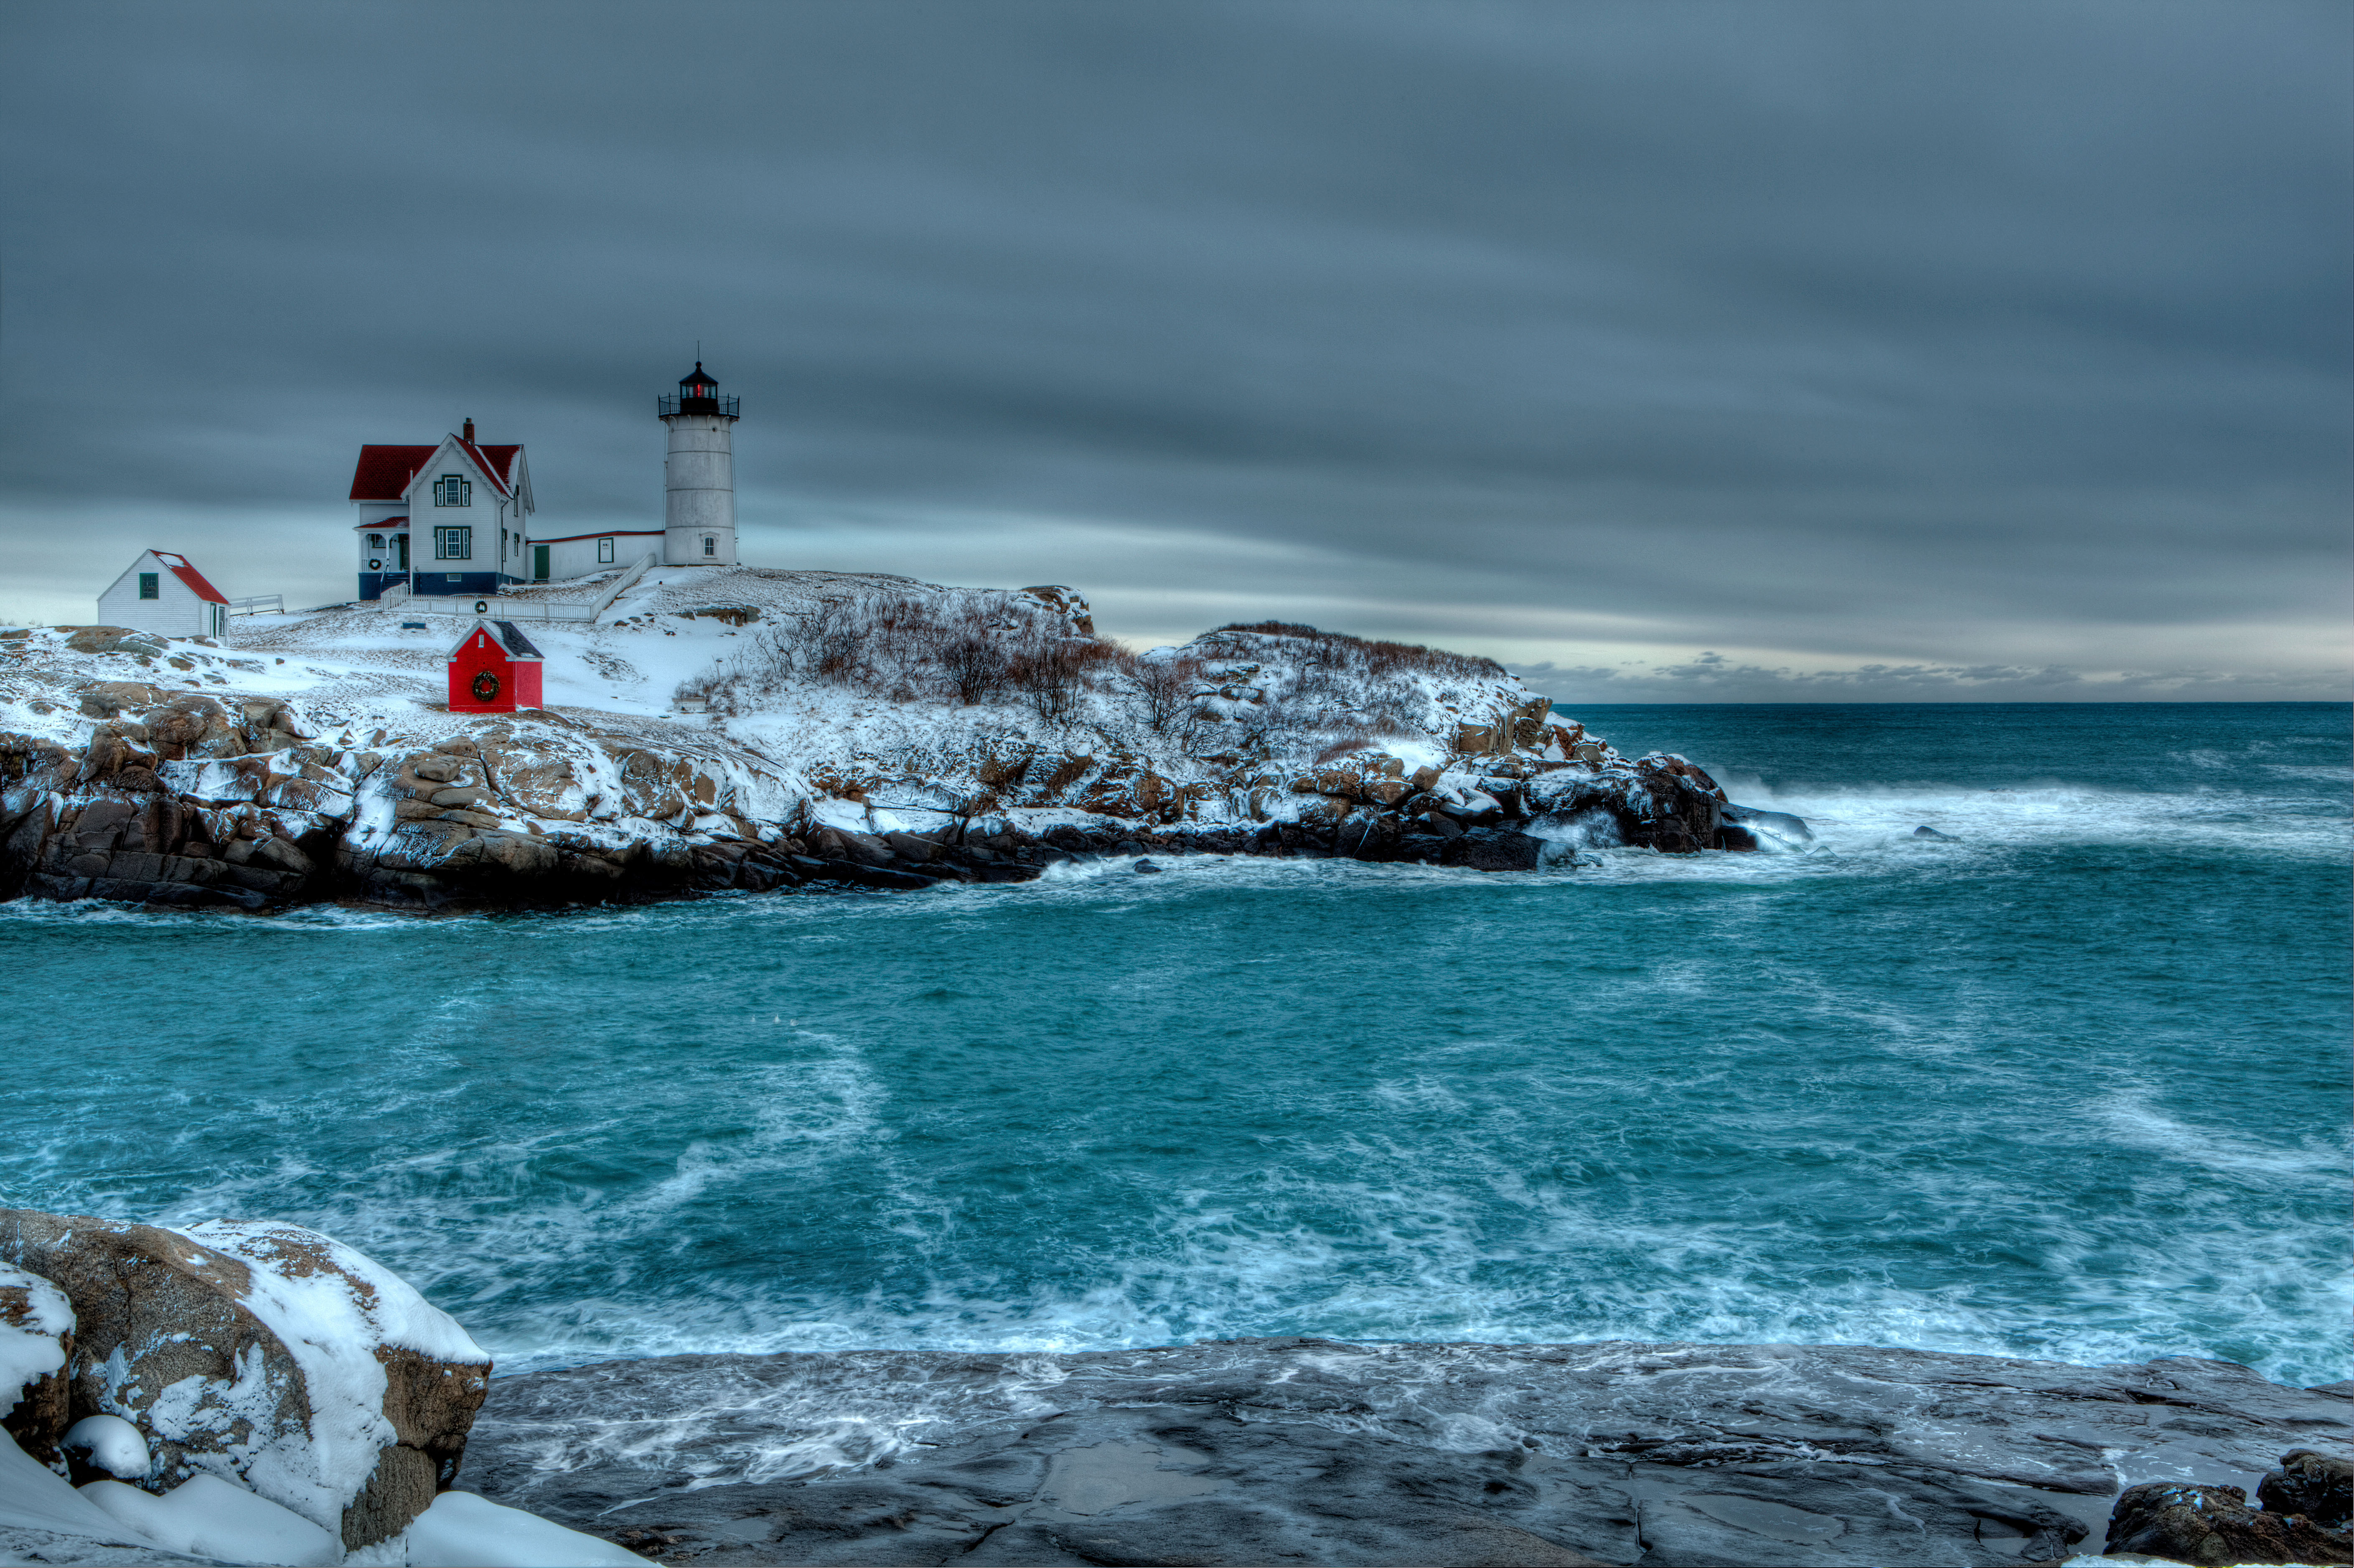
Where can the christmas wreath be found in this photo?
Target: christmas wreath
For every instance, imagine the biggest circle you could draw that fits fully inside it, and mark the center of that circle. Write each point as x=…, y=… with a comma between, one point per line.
x=486, y=686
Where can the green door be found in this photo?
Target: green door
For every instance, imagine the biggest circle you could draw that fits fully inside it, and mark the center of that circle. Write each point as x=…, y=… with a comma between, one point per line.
x=539, y=563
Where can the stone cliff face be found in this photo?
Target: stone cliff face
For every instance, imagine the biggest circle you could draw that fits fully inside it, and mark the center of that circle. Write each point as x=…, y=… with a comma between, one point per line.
x=1265, y=740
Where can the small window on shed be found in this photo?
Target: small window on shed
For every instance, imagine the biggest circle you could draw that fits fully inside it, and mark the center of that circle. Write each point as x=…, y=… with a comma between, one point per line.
x=604, y=552
x=148, y=586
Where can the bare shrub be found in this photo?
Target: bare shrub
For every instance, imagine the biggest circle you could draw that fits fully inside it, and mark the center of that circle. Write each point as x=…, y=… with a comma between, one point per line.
x=1338, y=651
x=1165, y=689
x=970, y=648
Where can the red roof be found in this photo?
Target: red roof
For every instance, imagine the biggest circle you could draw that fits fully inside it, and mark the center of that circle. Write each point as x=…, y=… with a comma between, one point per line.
x=496, y=461
x=189, y=575
x=385, y=471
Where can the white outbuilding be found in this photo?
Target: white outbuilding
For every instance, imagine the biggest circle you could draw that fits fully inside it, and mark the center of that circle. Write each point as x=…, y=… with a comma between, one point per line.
x=163, y=594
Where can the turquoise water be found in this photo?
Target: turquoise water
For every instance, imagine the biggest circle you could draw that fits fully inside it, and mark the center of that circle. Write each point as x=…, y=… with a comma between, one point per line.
x=2072, y=1084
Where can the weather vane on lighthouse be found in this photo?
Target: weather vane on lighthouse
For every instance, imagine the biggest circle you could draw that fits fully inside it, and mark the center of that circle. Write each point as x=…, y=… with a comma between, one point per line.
x=699, y=473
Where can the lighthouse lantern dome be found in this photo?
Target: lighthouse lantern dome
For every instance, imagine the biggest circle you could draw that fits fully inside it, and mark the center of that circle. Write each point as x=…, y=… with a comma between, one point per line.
x=698, y=393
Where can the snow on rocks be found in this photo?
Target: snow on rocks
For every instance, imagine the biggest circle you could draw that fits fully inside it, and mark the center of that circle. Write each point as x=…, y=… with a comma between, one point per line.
x=706, y=732
x=36, y=1338
x=269, y=1357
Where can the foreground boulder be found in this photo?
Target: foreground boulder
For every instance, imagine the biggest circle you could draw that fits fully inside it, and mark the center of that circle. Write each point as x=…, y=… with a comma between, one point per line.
x=269, y=1356
x=2210, y=1524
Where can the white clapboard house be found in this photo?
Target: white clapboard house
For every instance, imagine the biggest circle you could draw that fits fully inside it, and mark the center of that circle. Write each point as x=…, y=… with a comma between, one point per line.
x=163, y=594
x=446, y=519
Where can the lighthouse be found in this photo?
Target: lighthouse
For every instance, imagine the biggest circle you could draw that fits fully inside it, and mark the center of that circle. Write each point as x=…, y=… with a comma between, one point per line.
x=699, y=475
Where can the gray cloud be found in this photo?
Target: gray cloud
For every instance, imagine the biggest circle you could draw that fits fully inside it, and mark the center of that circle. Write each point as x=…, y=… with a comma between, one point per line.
x=1827, y=336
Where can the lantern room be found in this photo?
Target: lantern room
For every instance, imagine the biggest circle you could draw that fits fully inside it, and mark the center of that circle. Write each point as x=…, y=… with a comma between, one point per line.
x=494, y=668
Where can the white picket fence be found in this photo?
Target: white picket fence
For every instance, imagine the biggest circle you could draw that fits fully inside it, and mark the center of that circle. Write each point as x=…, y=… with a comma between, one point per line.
x=495, y=607
x=260, y=603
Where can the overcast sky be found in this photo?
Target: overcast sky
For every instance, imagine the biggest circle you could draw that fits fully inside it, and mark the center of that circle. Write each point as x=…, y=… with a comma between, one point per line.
x=1805, y=352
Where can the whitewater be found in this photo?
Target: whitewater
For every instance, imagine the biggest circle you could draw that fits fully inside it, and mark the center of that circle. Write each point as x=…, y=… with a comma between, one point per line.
x=2068, y=1082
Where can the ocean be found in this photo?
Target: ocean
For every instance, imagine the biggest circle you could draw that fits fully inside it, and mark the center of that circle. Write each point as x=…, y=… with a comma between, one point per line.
x=2070, y=1082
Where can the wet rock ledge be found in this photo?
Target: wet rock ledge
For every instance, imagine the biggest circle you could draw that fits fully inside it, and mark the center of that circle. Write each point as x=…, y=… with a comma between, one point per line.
x=1262, y=1451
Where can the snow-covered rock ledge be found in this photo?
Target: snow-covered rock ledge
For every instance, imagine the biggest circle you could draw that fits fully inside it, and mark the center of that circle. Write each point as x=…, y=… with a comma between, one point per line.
x=237, y=1392
x=757, y=730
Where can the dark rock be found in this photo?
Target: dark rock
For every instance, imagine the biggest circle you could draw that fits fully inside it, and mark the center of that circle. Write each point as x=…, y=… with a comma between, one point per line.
x=2319, y=1486
x=1312, y=1451
x=878, y=876
x=2213, y=1524
x=1128, y=847
x=1780, y=824
x=1146, y=868
x=908, y=847
x=1926, y=831
x=1497, y=849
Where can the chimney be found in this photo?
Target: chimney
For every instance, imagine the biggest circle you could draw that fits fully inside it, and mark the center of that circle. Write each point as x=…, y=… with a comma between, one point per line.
x=470, y=432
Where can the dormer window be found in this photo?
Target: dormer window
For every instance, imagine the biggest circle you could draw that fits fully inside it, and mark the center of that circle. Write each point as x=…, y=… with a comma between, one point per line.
x=453, y=490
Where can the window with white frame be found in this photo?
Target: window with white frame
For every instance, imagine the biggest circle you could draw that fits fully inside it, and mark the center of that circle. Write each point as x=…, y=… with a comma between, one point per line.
x=454, y=544
x=605, y=552
x=710, y=544
x=375, y=541
x=453, y=490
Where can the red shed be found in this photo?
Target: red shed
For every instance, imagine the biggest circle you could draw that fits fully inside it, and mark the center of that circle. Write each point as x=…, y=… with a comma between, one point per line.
x=493, y=669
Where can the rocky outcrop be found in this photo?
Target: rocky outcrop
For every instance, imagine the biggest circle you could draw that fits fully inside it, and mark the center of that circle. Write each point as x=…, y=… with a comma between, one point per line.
x=1272, y=739
x=1307, y=1450
x=266, y=1355
x=2214, y=1525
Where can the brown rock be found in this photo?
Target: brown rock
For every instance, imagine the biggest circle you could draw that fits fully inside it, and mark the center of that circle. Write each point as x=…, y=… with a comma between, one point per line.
x=114, y=639
x=354, y=1437
x=108, y=698
x=2205, y=1524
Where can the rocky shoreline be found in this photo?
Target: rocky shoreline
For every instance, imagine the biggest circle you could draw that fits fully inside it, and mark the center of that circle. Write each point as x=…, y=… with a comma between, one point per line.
x=1315, y=1451
x=246, y=1391
x=147, y=778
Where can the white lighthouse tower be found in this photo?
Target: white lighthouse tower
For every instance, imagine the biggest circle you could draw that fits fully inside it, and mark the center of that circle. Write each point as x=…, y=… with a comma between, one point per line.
x=699, y=475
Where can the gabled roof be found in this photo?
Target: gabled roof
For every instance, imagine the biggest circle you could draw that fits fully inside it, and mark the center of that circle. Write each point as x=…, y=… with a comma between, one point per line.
x=187, y=574
x=496, y=474
x=510, y=639
x=500, y=462
x=385, y=471
x=518, y=644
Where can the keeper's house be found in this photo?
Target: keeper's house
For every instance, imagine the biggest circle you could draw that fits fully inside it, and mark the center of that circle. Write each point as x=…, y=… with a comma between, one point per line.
x=448, y=519
x=163, y=594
